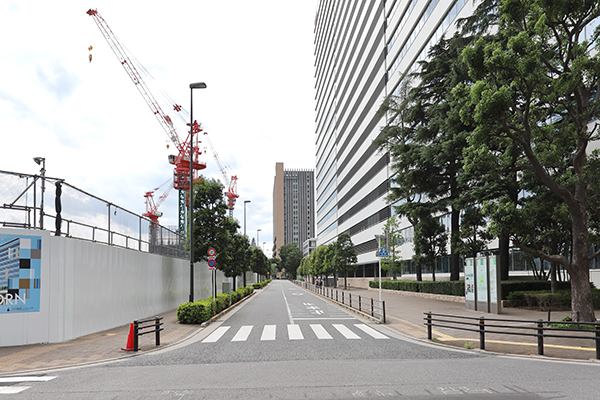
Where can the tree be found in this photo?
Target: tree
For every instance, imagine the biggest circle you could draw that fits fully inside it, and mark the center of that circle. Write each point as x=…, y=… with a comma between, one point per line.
x=237, y=262
x=537, y=90
x=392, y=263
x=344, y=255
x=426, y=137
x=259, y=263
x=290, y=256
x=429, y=241
x=212, y=225
x=473, y=233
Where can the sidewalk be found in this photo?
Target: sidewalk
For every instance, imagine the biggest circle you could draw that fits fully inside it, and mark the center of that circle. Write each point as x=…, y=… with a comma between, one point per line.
x=405, y=314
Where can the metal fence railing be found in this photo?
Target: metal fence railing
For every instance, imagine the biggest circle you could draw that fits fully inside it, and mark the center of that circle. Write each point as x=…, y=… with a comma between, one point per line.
x=72, y=212
x=539, y=329
x=366, y=306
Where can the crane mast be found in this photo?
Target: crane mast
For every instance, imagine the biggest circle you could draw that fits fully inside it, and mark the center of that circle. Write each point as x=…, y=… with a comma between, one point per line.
x=182, y=162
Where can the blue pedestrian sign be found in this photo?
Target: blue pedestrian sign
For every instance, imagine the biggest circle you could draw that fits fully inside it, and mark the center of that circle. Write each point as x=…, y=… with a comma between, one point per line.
x=383, y=252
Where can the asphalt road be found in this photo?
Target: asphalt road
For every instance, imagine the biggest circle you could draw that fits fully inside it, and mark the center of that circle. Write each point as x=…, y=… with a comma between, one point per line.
x=285, y=343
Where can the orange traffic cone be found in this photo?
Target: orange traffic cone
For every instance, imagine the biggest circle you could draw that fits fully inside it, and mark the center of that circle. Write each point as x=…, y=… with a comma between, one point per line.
x=130, y=340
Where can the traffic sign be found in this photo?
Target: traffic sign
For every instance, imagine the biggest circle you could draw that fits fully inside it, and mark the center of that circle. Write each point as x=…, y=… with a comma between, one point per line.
x=212, y=252
x=212, y=264
x=383, y=252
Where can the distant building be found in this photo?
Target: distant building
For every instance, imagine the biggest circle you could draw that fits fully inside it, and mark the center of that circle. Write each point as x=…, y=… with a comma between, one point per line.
x=310, y=245
x=293, y=206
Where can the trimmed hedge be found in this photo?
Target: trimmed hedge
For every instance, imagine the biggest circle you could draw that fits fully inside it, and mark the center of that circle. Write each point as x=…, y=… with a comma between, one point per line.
x=202, y=310
x=453, y=288
x=546, y=299
x=457, y=288
x=260, y=285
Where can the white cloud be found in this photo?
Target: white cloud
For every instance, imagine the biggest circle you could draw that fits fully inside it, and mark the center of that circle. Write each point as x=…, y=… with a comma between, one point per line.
x=96, y=132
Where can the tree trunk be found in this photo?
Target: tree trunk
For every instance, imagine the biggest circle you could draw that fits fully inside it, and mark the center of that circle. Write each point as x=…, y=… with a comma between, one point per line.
x=503, y=257
x=581, y=291
x=553, y=280
x=454, y=239
x=433, y=270
x=419, y=271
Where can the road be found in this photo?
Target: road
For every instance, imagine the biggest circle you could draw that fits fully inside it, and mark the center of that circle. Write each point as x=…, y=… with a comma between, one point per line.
x=285, y=343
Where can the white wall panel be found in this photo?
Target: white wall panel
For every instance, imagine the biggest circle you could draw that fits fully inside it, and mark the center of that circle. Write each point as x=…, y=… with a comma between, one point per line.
x=88, y=287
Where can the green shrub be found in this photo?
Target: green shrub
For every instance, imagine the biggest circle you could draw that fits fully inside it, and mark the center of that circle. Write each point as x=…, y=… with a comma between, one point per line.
x=222, y=301
x=454, y=288
x=196, y=312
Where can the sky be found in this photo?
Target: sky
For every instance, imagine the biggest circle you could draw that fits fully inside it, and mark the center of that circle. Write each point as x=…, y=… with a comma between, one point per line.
x=90, y=123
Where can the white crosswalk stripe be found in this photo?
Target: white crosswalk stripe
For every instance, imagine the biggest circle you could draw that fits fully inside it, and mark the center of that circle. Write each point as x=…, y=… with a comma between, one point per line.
x=216, y=335
x=269, y=332
x=242, y=334
x=344, y=330
x=371, y=332
x=320, y=331
x=295, y=332
x=20, y=379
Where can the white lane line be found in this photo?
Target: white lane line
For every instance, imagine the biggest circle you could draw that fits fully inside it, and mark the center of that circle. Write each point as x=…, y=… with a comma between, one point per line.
x=287, y=306
x=320, y=331
x=12, y=379
x=216, y=335
x=242, y=334
x=268, y=332
x=12, y=389
x=294, y=332
x=344, y=330
x=370, y=331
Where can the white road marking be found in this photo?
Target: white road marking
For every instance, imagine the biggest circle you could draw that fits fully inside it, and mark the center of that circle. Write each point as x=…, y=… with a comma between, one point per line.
x=216, y=335
x=12, y=389
x=370, y=331
x=268, y=332
x=320, y=331
x=12, y=379
x=294, y=332
x=344, y=330
x=242, y=334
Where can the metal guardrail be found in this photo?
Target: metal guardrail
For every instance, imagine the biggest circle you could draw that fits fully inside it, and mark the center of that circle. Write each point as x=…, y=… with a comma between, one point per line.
x=75, y=213
x=366, y=306
x=539, y=329
x=142, y=325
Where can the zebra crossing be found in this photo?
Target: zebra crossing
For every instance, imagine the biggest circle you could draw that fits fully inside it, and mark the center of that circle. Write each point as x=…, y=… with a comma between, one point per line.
x=295, y=332
x=17, y=382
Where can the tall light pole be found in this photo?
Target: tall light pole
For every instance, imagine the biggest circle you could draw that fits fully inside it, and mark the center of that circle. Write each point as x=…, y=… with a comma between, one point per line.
x=42, y=161
x=245, y=201
x=198, y=85
x=257, y=245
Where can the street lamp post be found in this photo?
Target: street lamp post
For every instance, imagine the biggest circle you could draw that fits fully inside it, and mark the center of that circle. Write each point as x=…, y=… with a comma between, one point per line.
x=198, y=85
x=245, y=201
x=42, y=161
x=257, y=245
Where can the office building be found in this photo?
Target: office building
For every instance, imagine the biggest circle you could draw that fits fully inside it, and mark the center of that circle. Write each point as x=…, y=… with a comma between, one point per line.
x=293, y=206
x=362, y=51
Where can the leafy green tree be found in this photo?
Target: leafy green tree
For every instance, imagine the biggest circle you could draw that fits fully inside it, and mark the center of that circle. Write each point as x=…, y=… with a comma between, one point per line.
x=212, y=225
x=537, y=91
x=344, y=254
x=391, y=231
x=259, y=263
x=237, y=261
x=430, y=240
x=426, y=137
x=473, y=233
x=290, y=256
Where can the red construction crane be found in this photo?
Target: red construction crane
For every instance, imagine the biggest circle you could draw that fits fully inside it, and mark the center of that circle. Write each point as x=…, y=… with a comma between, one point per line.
x=231, y=182
x=152, y=212
x=181, y=175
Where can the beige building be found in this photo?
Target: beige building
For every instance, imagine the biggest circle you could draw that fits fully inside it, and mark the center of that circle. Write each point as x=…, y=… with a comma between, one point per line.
x=293, y=206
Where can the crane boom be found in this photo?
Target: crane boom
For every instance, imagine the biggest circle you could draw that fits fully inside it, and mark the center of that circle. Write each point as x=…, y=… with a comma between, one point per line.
x=182, y=162
x=164, y=120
